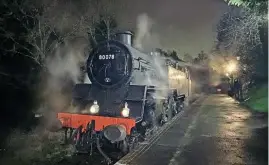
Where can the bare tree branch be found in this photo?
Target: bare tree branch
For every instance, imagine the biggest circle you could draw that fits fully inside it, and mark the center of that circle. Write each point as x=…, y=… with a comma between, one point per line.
x=240, y=29
x=42, y=29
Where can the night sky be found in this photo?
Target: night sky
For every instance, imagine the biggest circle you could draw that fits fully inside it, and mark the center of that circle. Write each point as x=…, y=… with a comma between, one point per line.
x=184, y=25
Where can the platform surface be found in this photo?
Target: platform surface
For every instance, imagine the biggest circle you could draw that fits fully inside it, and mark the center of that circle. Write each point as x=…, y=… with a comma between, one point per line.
x=214, y=130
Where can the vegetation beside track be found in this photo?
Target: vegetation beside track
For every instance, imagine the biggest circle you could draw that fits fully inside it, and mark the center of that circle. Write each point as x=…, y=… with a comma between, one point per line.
x=34, y=148
x=258, y=99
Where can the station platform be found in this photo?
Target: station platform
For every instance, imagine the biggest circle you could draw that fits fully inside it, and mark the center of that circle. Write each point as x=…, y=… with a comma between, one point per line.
x=214, y=130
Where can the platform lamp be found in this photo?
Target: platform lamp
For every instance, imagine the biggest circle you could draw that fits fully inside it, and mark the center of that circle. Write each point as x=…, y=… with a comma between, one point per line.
x=231, y=68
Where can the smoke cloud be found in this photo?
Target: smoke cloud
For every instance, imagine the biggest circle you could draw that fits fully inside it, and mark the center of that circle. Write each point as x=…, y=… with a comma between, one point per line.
x=145, y=38
x=63, y=71
x=147, y=41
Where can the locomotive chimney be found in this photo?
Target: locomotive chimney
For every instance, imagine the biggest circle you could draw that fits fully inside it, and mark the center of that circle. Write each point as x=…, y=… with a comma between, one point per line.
x=125, y=37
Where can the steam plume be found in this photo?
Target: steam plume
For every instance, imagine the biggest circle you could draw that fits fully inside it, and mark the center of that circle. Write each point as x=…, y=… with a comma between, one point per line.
x=146, y=39
x=63, y=72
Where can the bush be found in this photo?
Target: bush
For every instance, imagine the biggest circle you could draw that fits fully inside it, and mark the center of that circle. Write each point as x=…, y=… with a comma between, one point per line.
x=258, y=98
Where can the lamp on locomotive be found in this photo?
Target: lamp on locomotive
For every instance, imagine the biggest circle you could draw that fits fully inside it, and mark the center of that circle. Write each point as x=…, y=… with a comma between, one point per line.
x=125, y=111
x=94, y=108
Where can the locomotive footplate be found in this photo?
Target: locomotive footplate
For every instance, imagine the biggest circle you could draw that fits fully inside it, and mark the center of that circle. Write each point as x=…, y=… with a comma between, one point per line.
x=70, y=120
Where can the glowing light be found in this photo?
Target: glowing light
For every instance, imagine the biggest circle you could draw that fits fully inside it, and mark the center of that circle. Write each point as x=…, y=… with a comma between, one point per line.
x=125, y=111
x=245, y=67
x=175, y=74
x=231, y=67
x=177, y=77
x=94, y=108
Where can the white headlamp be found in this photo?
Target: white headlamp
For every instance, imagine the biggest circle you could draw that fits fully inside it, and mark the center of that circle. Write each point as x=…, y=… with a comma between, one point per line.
x=125, y=111
x=94, y=108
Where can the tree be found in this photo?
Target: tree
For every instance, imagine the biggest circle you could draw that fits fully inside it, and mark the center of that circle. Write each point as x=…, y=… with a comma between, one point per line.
x=202, y=56
x=31, y=31
x=41, y=32
x=162, y=52
x=187, y=57
x=238, y=29
x=174, y=55
x=261, y=5
x=35, y=29
x=102, y=30
x=99, y=19
x=245, y=33
x=46, y=24
x=258, y=12
x=201, y=59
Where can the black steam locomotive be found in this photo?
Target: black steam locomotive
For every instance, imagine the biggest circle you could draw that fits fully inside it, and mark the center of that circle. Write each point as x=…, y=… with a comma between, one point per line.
x=131, y=93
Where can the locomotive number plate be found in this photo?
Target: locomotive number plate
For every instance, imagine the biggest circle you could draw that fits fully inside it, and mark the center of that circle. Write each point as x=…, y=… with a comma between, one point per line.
x=107, y=57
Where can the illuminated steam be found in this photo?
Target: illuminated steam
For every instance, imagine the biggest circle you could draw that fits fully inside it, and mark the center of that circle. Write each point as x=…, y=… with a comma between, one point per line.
x=147, y=41
x=145, y=38
x=143, y=27
x=63, y=72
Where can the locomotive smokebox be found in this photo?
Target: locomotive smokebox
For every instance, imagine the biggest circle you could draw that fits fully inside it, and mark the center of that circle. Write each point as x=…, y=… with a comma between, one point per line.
x=125, y=37
x=115, y=133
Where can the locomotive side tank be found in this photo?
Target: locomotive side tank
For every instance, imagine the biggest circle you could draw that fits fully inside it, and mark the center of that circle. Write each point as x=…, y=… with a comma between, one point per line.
x=130, y=94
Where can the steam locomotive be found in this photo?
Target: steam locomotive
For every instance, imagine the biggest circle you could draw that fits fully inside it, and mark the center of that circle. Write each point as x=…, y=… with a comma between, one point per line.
x=130, y=95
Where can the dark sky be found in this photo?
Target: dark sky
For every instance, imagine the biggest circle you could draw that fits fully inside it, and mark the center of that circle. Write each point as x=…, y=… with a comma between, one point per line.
x=184, y=25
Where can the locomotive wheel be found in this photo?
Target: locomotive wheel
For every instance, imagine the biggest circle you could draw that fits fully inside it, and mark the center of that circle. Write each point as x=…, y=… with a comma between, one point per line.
x=163, y=119
x=171, y=109
x=181, y=106
x=133, y=140
x=133, y=144
x=177, y=107
x=124, y=147
x=169, y=112
x=153, y=118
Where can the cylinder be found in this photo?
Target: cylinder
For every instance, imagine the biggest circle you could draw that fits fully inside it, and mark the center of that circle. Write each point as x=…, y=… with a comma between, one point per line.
x=125, y=37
